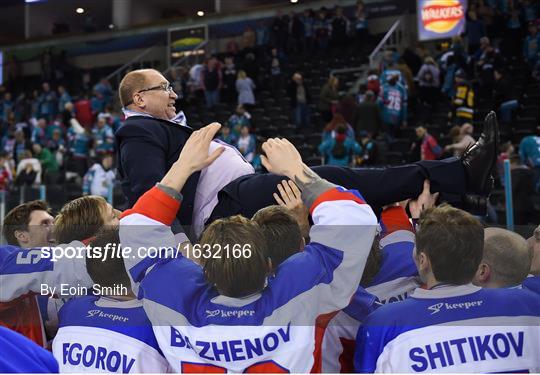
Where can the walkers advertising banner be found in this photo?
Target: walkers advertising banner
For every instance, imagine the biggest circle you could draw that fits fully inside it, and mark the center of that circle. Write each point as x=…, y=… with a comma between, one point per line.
x=440, y=19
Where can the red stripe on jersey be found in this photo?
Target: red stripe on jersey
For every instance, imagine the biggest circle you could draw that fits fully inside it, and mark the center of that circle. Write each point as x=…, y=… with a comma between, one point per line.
x=335, y=195
x=394, y=219
x=156, y=205
x=346, y=358
x=22, y=315
x=320, y=328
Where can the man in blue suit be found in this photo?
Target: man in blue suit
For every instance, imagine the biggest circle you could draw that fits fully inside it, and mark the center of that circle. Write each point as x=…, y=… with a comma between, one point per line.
x=153, y=135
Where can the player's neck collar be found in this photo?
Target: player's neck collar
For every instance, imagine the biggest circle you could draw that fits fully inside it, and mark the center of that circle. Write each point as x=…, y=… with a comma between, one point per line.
x=444, y=291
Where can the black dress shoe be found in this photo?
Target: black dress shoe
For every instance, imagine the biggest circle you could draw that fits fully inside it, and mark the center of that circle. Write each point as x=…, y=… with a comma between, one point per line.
x=480, y=159
x=475, y=204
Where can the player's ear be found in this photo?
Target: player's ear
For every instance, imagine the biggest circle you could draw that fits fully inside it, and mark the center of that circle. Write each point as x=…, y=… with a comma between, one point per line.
x=302, y=244
x=482, y=274
x=22, y=237
x=270, y=268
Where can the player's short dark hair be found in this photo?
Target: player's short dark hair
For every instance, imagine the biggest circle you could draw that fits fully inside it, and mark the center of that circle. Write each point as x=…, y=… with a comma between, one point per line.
x=235, y=276
x=281, y=232
x=373, y=263
x=453, y=240
x=19, y=217
x=107, y=268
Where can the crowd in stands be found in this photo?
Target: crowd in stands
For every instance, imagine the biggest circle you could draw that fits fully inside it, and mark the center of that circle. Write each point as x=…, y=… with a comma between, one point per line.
x=329, y=285
x=260, y=84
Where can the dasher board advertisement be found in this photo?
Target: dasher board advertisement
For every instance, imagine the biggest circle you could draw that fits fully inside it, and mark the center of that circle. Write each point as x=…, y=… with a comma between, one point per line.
x=440, y=19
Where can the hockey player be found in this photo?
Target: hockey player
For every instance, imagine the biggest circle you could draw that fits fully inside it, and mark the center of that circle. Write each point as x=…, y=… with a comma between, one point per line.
x=452, y=326
x=197, y=312
x=532, y=282
x=391, y=276
x=20, y=355
x=108, y=332
x=506, y=260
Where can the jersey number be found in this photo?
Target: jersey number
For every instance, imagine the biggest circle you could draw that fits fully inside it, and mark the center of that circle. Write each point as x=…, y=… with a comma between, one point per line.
x=29, y=257
x=394, y=101
x=264, y=367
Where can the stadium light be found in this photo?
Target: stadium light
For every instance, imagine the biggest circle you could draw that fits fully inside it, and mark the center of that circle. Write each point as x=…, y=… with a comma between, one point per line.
x=111, y=26
x=79, y=10
x=294, y=1
x=200, y=13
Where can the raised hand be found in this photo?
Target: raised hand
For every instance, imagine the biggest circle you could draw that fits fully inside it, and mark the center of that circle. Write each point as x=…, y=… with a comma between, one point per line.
x=281, y=157
x=290, y=197
x=424, y=201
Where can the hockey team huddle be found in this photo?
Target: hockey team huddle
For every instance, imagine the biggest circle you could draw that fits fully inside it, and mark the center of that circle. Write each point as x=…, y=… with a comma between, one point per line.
x=326, y=286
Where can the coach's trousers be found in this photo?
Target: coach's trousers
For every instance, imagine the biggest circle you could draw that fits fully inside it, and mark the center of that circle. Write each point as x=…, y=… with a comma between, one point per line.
x=379, y=187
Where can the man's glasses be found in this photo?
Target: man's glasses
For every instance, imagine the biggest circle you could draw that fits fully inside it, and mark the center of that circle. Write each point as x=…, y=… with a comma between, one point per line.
x=164, y=87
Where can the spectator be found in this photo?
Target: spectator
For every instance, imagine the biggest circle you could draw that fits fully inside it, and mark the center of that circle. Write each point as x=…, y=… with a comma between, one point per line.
x=195, y=82
x=463, y=99
x=529, y=152
x=49, y=165
x=249, y=38
x=6, y=106
x=340, y=149
x=296, y=33
x=361, y=25
x=406, y=75
x=300, y=98
x=245, y=87
x=504, y=95
x=276, y=71
x=429, y=82
x=329, y=130
x=6, y=176
x=227, y=136
x=28, y=170
x=63, y=98
x=280, y=32
x=57, y=145
x=308, y=22
x=523, y=186
x=103, y=137
x=475, y=31
x=238, y=120
x=104, y=88
x=531, y=45
x=506, y=260
x=369, y=150
x=251, y=66
x=321, y=28
x=367, y=116
x=429, y=148
x=228, y=74
x=246, y=144
x=99, y=180
x=97, y=103
x=79, y=140
x=263, y=36
x=328, y=97
x=211, y=81
x=39, y=133
x=339, y=26
x=393, y=100
x=463, y=142
x=47, y=105
x=20, y=146
x=83, y=112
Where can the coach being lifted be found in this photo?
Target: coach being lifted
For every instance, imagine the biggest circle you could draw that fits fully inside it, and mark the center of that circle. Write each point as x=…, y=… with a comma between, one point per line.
x=153, y=135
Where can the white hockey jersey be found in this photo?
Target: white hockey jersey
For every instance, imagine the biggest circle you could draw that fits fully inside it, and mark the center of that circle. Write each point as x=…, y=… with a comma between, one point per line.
x=199, y=330
x=453, y=329
x=395, y=280
x=106, y=335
